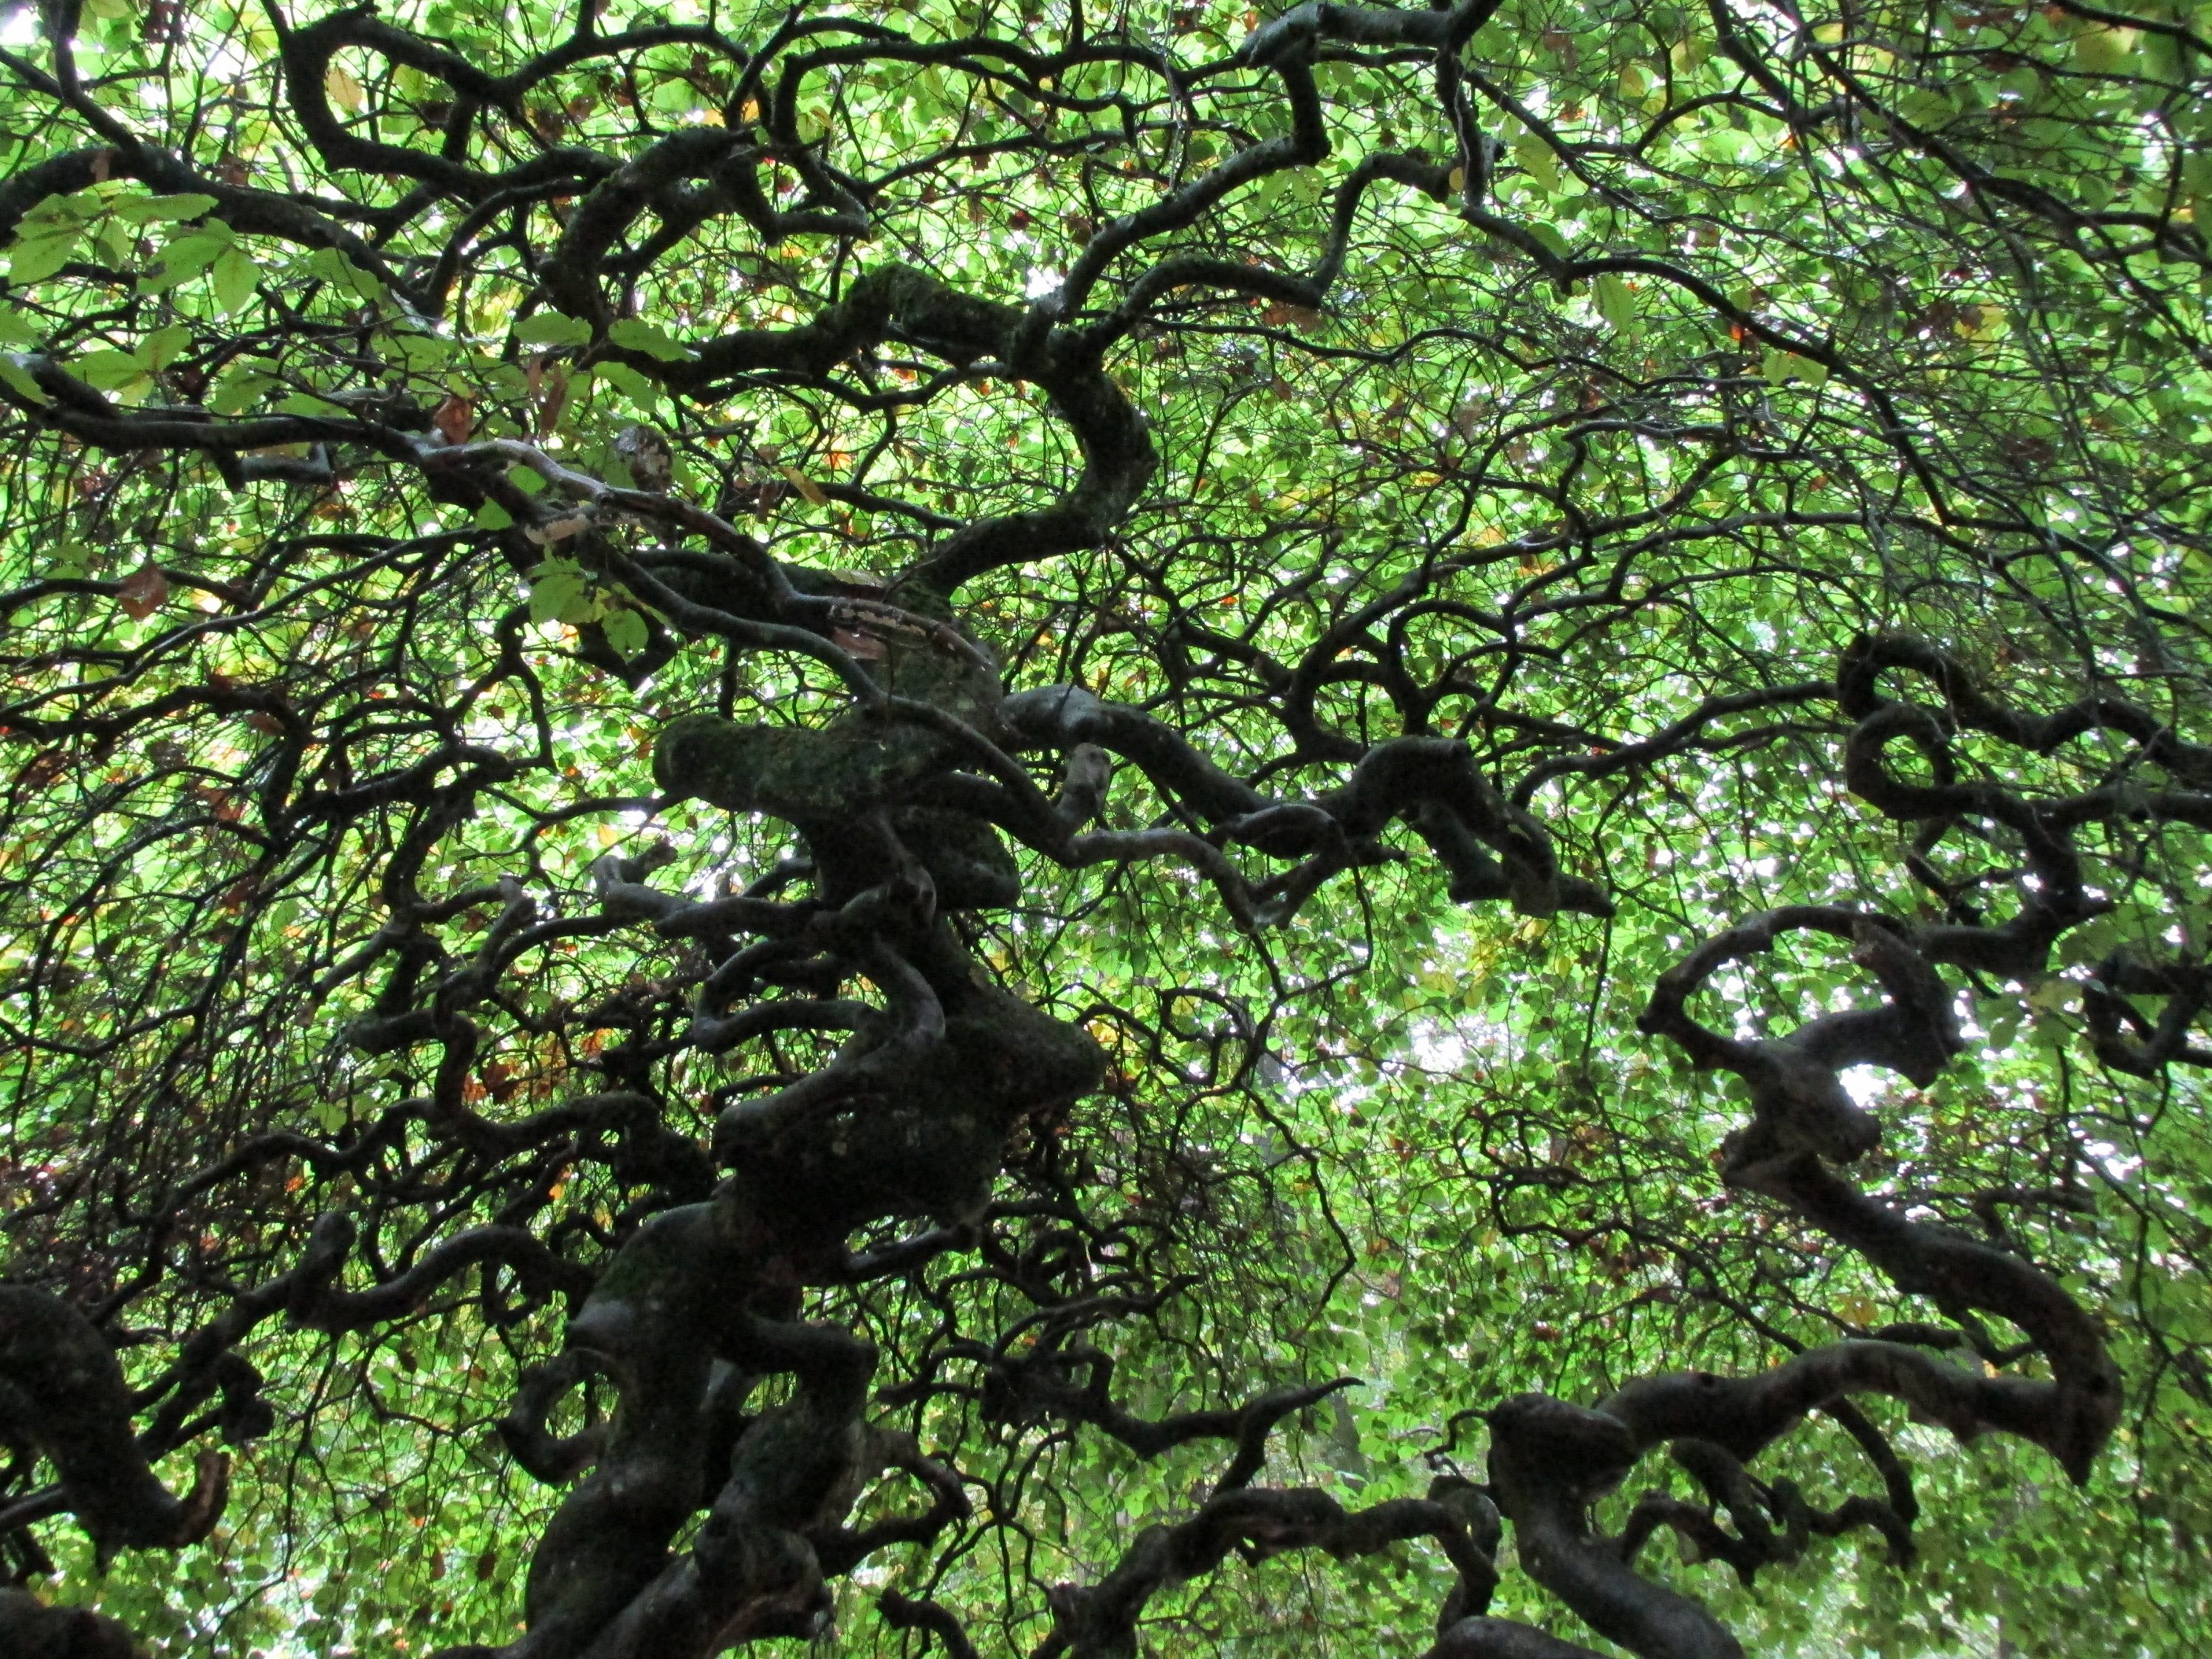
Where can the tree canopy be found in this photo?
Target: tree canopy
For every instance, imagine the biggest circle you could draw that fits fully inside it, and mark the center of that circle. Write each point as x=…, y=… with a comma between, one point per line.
x=997, y=826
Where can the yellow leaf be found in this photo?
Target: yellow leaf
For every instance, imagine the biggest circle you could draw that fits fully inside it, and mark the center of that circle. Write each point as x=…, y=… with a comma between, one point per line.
x=806, y=486
x=1981, y=323
x=344, y=91
x=1456, y=180
x=2104, y=50
x=1537, y=160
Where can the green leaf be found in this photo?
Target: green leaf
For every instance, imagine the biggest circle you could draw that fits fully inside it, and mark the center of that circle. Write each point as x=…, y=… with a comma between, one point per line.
x=164, y=346
x=238, y=389
x=1614, y=300
x=19, y=378
x=2052, y=995
x=559, y=592
x=33, y=261
x=1547, y=236
x=1781, y=367
x=1927, y=108
x=333, y=267
x=148, y=209
x=625, y=630
x=425, y=353
x=181, y=259
x=550, y=328
x=232, y=279
x=627, y=380
x=635, y=334
x=109, y=370
x=51, y=212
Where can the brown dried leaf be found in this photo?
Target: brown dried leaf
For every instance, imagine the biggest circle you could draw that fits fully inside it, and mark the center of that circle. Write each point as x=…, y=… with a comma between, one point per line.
x=558, y=531
x=144, y=591
x=555, y=400
x=454, y=418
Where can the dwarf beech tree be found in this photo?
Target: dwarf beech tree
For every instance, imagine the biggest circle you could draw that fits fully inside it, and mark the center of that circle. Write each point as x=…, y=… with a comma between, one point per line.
x=869, y=824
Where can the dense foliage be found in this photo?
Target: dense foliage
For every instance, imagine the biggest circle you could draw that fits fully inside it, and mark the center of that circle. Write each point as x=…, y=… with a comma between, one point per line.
x=990, y=825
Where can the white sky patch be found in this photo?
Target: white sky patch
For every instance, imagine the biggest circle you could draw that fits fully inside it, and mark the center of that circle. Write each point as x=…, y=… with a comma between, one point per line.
x=1438, y=1050
x=1865, y=1085
x=226, y=62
